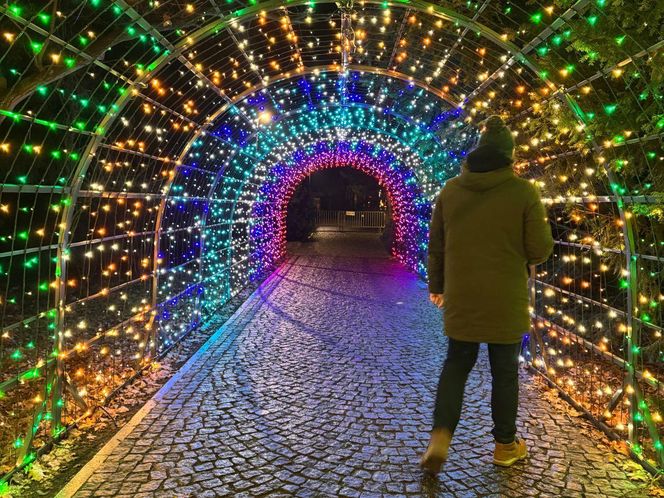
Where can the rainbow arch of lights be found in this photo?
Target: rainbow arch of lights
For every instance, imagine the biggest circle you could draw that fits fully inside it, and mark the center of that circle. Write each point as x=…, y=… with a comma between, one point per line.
x=223, y=253
x=411, y=209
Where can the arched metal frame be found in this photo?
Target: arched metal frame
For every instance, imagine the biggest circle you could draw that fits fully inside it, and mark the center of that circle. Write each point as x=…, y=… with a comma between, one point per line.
x=519, y=55
x=417, y=5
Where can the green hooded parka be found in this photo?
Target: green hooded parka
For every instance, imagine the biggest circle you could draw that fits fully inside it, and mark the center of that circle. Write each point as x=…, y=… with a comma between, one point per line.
x=487, y=226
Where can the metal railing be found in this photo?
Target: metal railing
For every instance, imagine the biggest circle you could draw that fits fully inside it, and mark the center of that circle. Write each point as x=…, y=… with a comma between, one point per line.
x=340, y=221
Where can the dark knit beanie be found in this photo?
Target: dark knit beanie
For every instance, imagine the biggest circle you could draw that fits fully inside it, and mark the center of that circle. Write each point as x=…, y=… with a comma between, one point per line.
x=497, y=136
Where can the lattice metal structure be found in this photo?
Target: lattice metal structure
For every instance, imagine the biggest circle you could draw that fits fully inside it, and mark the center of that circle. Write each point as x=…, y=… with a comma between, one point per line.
x=148, y=150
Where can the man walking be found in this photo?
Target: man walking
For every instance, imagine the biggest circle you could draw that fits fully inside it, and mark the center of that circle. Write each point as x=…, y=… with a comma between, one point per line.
x=488, y=228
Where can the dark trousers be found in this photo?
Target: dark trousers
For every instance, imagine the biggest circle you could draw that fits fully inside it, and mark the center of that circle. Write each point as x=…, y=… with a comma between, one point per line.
x=461, y=357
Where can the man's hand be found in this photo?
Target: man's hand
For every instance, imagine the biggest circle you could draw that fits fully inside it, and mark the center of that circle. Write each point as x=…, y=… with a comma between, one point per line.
x=533, y=271
x=437, y=299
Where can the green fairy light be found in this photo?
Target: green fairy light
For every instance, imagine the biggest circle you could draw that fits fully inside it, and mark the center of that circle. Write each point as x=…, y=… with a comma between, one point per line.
x=82, y=40
x=43, y=286
x=592, y=20
x=117, y=10
x=18, y=442
x=44, y=18
x=658, y=445
x=557, y=40
x=610, y=108
x=15, y=9
x=16, y=355
x=543, y=50
x=70, y=62
x=31, y=262
x=36, y=46
x=536, y=18
x=620, y=39
x=42, y=90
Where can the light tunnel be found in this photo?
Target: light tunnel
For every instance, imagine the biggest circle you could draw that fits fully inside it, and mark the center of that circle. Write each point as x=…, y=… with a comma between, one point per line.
x=148, y=151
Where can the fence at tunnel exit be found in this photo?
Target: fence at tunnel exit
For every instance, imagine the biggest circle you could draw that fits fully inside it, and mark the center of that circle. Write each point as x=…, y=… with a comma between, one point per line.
x=148, y=151
x=350, y=220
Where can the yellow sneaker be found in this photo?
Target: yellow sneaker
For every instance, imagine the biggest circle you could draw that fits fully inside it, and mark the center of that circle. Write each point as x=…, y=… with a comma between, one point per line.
x=506, y=455
x=436, y=454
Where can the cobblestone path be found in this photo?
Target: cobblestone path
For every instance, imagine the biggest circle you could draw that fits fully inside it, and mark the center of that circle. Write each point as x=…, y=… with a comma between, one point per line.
x=322, y=385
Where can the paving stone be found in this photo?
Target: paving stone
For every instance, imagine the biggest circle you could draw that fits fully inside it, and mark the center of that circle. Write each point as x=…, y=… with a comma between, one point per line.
x=323, y=385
